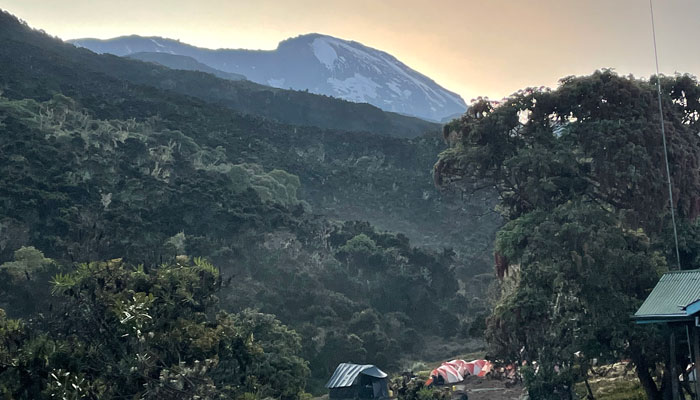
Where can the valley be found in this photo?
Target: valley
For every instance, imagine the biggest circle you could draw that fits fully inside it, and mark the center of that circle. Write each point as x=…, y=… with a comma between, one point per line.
x=109, y=158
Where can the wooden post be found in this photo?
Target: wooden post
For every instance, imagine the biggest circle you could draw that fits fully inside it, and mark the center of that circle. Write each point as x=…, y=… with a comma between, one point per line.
x=696, y=348
x=674, y=373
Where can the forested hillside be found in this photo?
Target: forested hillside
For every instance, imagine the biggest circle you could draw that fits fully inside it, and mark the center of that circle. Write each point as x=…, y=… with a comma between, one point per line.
x=95, y=167
x=350, y=176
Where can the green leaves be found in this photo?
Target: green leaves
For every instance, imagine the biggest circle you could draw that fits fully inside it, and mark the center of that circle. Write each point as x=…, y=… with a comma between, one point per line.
x=594, y=137
x=581, y=179
x=132, y=332
x=577, y=277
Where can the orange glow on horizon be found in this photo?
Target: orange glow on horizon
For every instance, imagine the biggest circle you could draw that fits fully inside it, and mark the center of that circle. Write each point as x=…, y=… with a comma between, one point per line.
x=471, y=47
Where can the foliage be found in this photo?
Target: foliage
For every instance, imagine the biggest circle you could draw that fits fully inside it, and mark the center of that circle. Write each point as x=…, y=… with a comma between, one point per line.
x=575, y=295
x=86, y=180
x=414, y=389
x=581, y=178
x=345, y=309
x=28, y=261
x=189, y=199
x=546, y=383
x=21, y=279
x=614, y=388
x=156, y=333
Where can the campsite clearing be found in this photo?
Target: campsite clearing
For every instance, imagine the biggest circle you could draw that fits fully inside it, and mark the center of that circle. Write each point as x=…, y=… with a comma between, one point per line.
x=490, y=389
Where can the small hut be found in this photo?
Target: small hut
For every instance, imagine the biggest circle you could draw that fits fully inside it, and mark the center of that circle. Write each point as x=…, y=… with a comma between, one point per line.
x=675, y=301
x=353, y=381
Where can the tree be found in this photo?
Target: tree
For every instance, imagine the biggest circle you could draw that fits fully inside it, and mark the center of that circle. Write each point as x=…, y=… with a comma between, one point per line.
x=580, y=276
x=581, y=181
x=24, y=282
x=152, y=333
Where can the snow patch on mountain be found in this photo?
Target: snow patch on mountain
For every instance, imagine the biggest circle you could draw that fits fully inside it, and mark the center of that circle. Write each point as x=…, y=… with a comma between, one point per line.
x=400, y=82
x=278, y=83
x=156, y=43
x=324, y=52
x=393, y=85
x=356, y=88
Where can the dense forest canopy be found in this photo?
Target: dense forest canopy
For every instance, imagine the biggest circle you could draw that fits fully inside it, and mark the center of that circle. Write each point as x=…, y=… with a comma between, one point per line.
x=581, y=180
x=85, y=189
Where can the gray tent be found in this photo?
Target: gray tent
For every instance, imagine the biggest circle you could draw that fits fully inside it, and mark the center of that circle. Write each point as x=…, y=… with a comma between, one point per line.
x=352, y=381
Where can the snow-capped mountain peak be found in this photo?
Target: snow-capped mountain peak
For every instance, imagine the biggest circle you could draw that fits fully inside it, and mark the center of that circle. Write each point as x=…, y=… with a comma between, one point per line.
x=318, y=63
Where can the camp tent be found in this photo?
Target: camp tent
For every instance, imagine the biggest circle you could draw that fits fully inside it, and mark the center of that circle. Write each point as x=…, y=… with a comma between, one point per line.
x=353, y=381
x=456, y=370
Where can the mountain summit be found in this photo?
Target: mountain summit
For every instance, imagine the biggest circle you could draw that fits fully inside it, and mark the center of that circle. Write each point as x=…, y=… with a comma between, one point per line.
x=318, y=63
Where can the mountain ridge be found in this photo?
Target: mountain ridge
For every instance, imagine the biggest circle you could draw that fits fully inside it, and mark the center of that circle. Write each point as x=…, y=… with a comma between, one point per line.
x=286, y=106
x=185, y=63
x=319, y=63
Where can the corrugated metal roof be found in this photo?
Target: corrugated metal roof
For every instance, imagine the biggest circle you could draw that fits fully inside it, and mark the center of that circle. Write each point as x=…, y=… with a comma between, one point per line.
x=346, y=373
x=674, y=291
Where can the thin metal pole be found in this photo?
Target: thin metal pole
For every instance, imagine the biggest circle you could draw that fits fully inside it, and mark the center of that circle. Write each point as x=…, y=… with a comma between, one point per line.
x=696, y=345
x=690, y=361
x=690, y=351
x=663, y=136
x=672, y=360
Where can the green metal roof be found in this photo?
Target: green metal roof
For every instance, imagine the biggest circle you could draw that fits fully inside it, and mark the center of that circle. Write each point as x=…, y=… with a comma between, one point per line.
x=670, y=296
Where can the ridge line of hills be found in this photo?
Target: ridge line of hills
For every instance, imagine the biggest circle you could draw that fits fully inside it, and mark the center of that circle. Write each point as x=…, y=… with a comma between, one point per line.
x=174, y=61
x=321, y=64
x=287, y=106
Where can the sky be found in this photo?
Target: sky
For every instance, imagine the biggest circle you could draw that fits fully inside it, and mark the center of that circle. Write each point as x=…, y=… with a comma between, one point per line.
x=472, y=47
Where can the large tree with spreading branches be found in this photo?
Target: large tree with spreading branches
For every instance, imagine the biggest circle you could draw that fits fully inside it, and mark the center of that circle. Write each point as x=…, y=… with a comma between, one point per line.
x=581, y=180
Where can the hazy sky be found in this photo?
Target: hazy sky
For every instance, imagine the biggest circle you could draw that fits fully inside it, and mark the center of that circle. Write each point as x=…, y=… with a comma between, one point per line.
x=473, y=47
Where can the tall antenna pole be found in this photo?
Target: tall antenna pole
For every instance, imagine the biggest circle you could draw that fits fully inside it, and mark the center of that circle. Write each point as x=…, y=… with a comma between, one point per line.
x=663, y=136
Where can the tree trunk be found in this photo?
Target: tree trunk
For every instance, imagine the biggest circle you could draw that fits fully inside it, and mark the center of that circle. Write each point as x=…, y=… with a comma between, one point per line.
x=645, y=378
x=588, y=388
x=674, y=371
x=666, y=384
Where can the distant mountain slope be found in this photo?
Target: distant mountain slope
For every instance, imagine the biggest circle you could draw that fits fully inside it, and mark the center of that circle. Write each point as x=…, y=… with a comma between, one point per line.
x=318, y=63
x=185, y=63
x=26, y=53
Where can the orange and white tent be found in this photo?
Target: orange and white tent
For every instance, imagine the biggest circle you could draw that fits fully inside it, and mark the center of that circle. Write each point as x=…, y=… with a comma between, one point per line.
x=456, y=370
x=478, y=367
x=448, y=373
